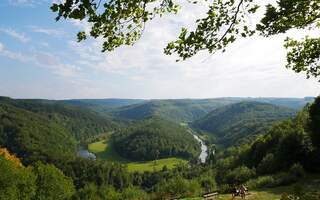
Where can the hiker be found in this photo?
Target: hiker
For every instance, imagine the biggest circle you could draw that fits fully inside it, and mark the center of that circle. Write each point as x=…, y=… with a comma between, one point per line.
x=235, y=192
x=243, y=191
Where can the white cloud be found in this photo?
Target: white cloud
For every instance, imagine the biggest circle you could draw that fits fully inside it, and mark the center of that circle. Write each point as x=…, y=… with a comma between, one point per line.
x=1, y=47
x=42, y=59
x=19, y=36
x=47, y=31
x=250, y=67
x=26, y=2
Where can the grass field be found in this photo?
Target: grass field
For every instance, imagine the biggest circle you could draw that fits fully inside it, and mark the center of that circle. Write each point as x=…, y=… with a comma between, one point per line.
x=104, y=150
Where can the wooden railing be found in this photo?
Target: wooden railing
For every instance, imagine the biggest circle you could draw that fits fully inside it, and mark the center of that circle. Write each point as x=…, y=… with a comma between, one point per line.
x=210, y=196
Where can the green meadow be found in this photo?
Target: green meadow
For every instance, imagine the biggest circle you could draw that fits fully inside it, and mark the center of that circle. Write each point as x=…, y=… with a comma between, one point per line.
x=104, y=150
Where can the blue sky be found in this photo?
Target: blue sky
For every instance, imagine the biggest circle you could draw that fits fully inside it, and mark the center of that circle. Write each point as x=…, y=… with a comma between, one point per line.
x=40, y=58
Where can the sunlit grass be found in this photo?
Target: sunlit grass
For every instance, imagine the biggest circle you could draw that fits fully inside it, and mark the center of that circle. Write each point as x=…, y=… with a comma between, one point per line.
x=104, y=150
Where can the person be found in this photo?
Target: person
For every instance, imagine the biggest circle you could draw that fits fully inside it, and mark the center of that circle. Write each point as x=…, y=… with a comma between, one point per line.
x=235, y=192
x=243, y=191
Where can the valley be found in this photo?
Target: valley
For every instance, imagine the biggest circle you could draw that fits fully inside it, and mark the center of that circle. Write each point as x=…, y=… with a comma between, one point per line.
x=169, y=148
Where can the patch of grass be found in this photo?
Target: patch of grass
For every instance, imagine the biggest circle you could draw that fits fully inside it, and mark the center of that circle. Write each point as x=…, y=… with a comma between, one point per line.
x=155, y=166
x=104, y=150
x=310, y=185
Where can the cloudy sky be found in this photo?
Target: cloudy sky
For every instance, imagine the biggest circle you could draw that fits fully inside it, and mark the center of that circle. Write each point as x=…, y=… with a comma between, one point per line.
x=40, y=58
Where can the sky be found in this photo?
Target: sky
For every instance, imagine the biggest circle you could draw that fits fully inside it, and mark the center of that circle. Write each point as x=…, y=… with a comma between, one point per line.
x=40, y=58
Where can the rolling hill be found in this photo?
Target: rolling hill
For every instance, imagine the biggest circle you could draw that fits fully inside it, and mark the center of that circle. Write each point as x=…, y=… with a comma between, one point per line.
x=239, y=122
x=155, y=138
x=33, y=137
x=177, y=110
x=81, y=122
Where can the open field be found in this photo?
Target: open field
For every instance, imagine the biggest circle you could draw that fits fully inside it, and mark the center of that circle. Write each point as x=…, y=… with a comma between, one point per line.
x=104, y=150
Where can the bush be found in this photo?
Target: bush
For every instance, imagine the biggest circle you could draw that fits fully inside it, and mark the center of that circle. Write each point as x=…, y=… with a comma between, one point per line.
x=267, y=165
x=208, y=183
x=285, y=179
x=133, y=193
x=261, y=182
x=178, y=187
x=223, y=189
x=240, y=175
x=297, y=170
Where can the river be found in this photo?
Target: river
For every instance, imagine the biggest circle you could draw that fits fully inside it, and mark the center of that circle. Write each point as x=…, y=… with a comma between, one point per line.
x=84, y=153
x=204, y=149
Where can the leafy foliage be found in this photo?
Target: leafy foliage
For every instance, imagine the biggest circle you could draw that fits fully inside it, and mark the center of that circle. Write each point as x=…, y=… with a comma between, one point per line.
x=119, y=22
x=155, y=138
x=15, y=182
x=122, y=22
x=237, y=123
x=51, y=183
x=33, y=183
x=315, y=121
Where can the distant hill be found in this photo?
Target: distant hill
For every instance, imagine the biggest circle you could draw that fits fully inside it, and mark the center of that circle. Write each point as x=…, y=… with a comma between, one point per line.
x=81, y=122
x=295, y=103
x=177, y=110
x=155, y=138
x=236, y=123
x=102, y=104
x=32, y=136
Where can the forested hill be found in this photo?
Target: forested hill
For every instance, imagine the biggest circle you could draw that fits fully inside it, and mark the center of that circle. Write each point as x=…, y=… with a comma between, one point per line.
x=155, y=138
x=33, y=137
x=177, y=110
x=237, y=123
x=80, y=122
x=102, y=104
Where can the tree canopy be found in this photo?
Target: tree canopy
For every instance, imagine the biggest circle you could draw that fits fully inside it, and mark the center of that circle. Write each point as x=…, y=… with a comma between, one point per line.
x=121, y=22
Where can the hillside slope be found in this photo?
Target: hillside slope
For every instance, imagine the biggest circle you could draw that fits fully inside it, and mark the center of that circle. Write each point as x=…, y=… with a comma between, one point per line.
x=82, y=123
x=155, y=138
x=33, y=137
x=238, y=122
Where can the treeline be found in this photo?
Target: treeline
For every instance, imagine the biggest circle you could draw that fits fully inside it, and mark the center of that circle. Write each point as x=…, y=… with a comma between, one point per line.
x=282, y=156
x=81, y=122
x=155, y=138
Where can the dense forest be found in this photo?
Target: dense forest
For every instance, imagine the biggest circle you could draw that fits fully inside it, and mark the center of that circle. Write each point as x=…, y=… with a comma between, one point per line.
x=155, y=138
x=241, y=122
x=81, y=122
x=39, y=157
x=281, y=156
x=33, y=137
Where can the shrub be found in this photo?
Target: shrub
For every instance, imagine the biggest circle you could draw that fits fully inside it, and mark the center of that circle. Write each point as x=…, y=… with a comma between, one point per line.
x=240, y=175
x=267, y=165
x=297, y=170
x=261, y=182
